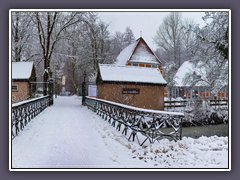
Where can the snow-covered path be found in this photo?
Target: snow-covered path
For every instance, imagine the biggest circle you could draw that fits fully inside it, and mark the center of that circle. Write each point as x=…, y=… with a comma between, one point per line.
x=64, y=135
x=68, y=135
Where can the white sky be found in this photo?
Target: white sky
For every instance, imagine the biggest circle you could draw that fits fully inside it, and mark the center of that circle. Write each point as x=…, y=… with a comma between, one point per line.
x=146, y=22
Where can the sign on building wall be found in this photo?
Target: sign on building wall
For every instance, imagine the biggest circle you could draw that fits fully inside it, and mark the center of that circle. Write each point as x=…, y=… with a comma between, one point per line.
x=92, y=90
x=130, y=91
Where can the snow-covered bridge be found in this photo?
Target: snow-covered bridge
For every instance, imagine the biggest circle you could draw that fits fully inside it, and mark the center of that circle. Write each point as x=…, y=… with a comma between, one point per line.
x=68, y=135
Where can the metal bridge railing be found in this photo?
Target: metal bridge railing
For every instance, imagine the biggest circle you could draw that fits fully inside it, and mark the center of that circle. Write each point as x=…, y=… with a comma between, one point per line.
x=24, y=112
x=152, y=124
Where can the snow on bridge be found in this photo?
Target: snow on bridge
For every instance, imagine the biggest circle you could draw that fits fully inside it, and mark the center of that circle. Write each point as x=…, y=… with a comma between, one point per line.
x=68, y=135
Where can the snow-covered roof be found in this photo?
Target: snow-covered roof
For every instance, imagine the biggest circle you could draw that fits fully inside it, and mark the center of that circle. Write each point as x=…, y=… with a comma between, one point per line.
x=131, y=74
x=125, y=54
x=142, y=54
x=138, y=51
x=22, y=70
x=189, y=68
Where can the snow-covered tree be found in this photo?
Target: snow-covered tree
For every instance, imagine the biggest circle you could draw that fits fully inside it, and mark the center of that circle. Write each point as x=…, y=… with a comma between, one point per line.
x=212, y=50
x=128, y=37
x=175, y=39
x=188, y=40
x=97, y=37
x=119, y=41
x=168, y=37
x=21, y=31
x=117, y=45
x=86, y=45
x=50, y=27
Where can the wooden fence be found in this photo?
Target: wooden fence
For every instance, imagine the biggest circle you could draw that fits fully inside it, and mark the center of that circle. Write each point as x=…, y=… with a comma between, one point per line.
x=183, y=104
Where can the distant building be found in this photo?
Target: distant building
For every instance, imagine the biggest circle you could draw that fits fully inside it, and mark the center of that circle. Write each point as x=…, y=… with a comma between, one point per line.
x=185, y=88
x=135, y=79
x=23, y=73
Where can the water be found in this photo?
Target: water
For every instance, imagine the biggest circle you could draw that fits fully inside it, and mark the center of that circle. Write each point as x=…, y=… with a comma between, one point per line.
x=208, y=130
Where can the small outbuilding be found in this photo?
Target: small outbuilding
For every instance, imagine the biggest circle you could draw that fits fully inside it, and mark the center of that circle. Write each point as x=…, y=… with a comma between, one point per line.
x=23, y=73
x=135, y=79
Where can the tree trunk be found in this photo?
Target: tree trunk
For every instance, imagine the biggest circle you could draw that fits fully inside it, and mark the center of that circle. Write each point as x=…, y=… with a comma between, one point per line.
x=46, y=75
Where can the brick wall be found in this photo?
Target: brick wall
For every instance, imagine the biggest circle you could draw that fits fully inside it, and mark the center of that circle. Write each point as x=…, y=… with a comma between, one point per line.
x=22, y=93
x=149, y=97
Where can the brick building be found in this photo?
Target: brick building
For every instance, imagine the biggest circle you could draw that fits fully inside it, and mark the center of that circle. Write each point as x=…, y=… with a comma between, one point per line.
x=135, y=79
x=22, y=74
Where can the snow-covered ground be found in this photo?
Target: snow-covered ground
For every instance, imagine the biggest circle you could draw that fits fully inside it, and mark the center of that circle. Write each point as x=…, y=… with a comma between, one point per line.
x=68, y=135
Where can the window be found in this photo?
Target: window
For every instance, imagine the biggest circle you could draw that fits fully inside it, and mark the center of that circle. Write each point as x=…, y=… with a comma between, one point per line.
x=14, y=87
x=135, y=64
x=142, y=65
x=154, y=65
x=206, y=94
x=148, y=65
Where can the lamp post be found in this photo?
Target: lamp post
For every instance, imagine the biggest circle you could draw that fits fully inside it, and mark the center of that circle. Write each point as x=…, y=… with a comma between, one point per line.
x=84, y=88
x=51, y=82
x=55, y=84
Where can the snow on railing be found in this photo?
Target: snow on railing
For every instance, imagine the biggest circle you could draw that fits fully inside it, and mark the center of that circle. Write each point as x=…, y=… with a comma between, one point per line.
x=27, y=101
x=152, y=125
x=24, y=111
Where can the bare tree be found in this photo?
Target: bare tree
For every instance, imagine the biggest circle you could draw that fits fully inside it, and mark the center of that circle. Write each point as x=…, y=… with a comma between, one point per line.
x=86, y=45
x=50, y=26
x=21, y=32
x=117, y=45
x=188, y=40
x=128, y=37
x=168, y=37
x=119, y=41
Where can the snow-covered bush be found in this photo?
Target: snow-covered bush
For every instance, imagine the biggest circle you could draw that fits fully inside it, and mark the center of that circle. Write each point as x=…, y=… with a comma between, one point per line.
x=199, y=112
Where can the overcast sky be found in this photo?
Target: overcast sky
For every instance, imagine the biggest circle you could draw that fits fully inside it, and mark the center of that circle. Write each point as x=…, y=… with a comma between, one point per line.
x=145, y=22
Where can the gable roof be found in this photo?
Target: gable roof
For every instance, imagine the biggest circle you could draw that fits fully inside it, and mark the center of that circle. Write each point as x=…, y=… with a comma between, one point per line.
x=133, y=74
x=189, y=68
x=138, y=51
x=22, y=70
